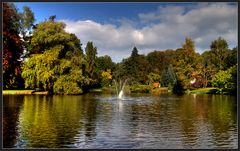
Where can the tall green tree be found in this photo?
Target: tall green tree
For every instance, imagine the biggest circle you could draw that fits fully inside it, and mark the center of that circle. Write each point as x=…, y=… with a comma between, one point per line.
x=56, y=60
x=156, y=61
x=207, y=67
x=91, y=56
x=133, y=60
x=46, y=35
x=159, y=60
x=219, y=50
x=128, y=68
x=104, y=62
x=132, y=66
x=186, y=62
x=143, y=69
x=27, y=20
x=231, y=58
x=135, y=68
x=189, y=54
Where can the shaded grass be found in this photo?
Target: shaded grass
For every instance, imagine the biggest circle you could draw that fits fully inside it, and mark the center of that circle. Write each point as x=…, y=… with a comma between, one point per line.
x=160, y=90
x=140, y=88
x=211, y=90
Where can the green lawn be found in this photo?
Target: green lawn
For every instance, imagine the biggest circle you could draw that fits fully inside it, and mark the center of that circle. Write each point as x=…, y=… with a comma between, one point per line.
x=18, y=91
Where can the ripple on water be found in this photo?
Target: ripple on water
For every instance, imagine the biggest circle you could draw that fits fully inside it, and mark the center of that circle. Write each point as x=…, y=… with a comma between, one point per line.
x=164, y=122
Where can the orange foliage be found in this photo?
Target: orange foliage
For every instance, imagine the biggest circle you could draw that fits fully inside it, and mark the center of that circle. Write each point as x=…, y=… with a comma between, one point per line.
x=156, y=85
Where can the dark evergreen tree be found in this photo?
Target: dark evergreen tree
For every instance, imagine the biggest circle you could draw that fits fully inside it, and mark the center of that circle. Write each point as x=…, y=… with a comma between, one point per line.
x=91, y=56
x=168, y=77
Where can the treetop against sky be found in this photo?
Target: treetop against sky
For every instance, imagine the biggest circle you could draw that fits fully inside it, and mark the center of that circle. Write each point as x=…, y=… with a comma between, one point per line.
x=115, y=28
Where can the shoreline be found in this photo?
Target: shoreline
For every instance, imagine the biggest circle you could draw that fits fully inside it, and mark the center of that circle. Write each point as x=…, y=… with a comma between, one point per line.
x=24, y=92
x=157, y=91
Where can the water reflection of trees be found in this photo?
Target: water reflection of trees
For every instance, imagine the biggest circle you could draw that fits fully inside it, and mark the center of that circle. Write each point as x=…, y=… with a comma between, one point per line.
x=55, y=121
x=11, y=107
x=198, y=111
x=223, y=117
x=198, y=121
x=188, y=117
x=89, y=110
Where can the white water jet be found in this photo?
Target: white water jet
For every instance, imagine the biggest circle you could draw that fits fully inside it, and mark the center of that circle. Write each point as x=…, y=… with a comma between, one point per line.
x=120, y=95
x=120, y=88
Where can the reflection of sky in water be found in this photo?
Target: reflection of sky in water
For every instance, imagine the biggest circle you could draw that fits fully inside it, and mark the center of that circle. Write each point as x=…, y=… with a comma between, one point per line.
x=104, y=121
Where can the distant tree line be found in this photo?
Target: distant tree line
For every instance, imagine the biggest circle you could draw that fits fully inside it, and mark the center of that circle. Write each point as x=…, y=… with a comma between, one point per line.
x=216, y=67
x=47, y=57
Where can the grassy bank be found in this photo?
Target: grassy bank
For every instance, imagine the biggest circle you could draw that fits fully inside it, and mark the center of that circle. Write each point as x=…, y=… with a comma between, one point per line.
x=205, y=91
x=16, y=92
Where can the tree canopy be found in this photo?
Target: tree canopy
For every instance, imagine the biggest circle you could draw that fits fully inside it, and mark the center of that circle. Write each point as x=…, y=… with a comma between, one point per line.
x=219, y=50
x=91, y=56
x=12, y=47
x=56, y=61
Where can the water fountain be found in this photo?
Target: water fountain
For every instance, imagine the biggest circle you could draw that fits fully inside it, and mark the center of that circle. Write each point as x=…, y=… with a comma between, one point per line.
x=120, y=88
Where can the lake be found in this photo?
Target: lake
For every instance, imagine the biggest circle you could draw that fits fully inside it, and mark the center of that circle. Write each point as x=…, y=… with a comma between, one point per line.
x=96, y=120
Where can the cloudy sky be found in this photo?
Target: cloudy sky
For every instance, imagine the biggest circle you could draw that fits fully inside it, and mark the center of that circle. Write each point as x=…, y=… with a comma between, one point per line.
x=115, y=28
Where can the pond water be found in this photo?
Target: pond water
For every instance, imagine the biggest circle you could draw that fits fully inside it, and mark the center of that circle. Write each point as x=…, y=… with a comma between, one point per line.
x=102, y=121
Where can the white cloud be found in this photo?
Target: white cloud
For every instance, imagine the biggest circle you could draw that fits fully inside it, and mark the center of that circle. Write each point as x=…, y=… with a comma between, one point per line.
x=165, y=28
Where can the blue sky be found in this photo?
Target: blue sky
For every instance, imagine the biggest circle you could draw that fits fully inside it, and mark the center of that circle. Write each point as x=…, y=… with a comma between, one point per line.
x=116, y=27
x=99, y=12
x=95, y=11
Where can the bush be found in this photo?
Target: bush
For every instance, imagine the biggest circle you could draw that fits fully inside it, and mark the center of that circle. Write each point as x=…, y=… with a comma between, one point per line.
x=226, y=80
x=64, y=85
x=178, y=88
x=105, y=82
x=140, y=88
